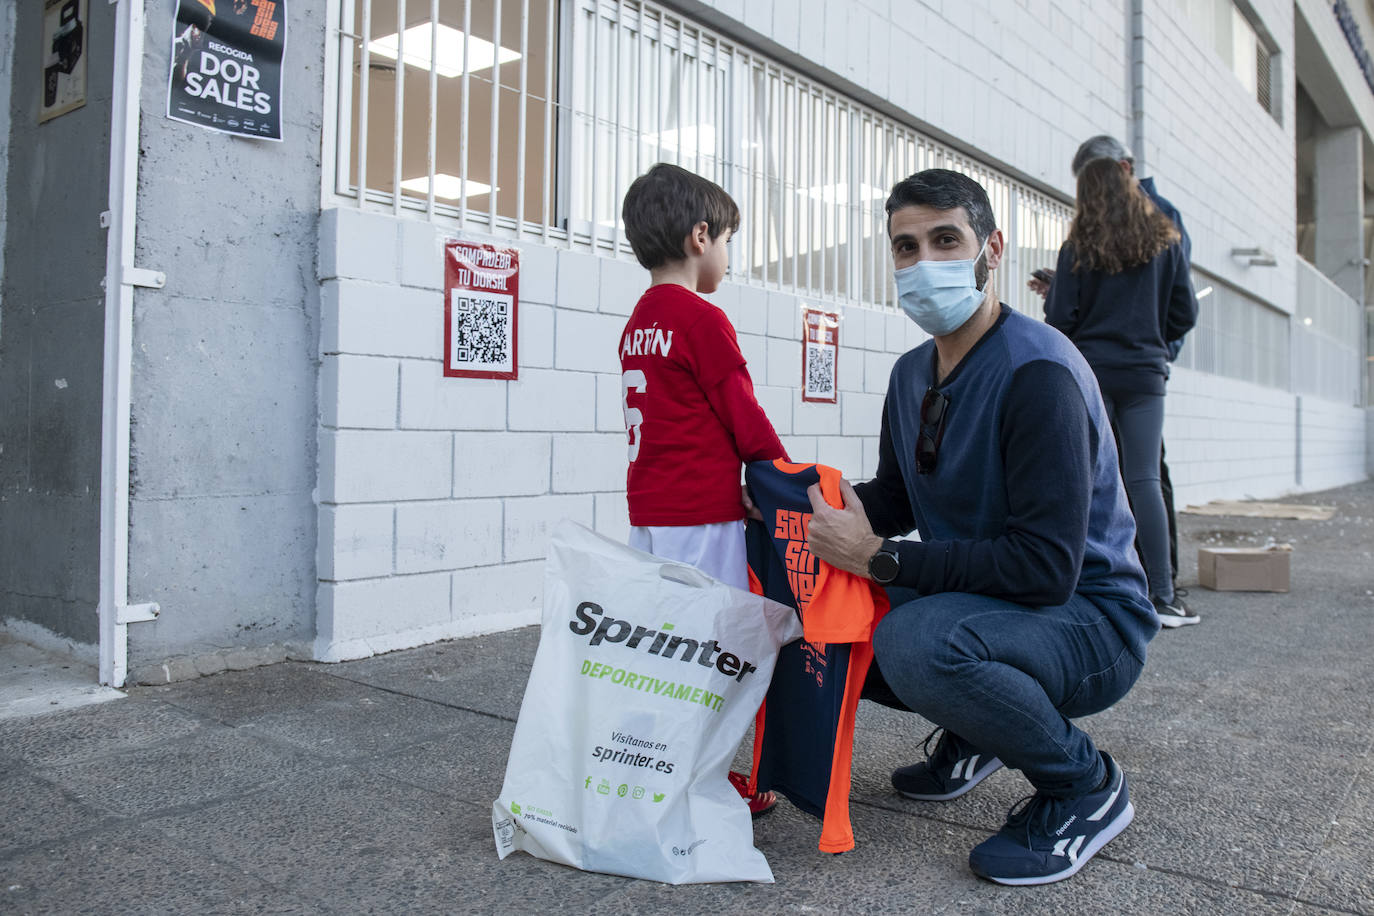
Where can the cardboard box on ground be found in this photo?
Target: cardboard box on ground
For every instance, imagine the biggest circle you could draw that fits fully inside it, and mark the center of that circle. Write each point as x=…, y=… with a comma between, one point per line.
x=1244, y=569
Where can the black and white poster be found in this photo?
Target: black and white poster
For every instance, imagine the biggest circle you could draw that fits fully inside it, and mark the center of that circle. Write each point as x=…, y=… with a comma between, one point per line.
x=227, y=66
x=64, y=64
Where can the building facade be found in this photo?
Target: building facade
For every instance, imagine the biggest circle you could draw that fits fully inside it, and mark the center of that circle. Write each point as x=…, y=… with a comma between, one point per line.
x=226, y=432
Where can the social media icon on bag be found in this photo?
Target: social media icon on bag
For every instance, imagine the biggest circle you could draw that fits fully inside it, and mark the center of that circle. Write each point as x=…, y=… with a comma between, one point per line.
x=658, y=797
x=622, y=790
x=604, y=787
x=638, y=792
x=514, y=808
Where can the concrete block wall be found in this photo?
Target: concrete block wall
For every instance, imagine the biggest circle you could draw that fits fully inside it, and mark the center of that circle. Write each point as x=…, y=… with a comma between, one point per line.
x=436, y=495
x=1333, y=444
x=1228, y=439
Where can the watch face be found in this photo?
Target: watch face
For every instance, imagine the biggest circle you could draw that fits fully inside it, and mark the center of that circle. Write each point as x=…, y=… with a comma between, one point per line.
x=883, y=567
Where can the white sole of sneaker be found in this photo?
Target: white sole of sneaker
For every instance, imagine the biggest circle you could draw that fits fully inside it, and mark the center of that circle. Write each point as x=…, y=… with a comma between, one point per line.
x=1169, y=621
x=983, y=772
x=1107, y=834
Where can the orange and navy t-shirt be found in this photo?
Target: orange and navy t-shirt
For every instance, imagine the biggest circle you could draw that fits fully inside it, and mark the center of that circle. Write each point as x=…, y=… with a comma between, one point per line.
x=804, y=735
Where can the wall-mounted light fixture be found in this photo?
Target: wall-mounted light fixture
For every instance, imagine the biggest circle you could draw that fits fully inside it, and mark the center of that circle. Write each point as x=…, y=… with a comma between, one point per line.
x=1257, y=257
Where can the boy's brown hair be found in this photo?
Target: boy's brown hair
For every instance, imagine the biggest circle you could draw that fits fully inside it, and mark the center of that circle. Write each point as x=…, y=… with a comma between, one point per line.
x=664, y=204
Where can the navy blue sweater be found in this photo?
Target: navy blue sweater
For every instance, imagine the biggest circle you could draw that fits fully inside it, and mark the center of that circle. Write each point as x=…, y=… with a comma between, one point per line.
x=1125, y=323
x=1025, y=502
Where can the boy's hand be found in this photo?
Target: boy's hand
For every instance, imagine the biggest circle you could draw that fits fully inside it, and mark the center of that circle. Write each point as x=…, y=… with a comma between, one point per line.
x=750, y=510
x=841, y=537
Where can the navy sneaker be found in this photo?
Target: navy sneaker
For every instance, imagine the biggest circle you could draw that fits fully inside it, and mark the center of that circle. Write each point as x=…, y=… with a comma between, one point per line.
x=954, y=767
x=1049, y=839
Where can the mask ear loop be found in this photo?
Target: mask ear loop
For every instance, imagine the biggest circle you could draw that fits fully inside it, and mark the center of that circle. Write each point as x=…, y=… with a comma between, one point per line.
x=981, y=255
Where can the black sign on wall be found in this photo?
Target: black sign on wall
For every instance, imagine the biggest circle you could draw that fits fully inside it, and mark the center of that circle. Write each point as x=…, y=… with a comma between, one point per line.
x=226, y=66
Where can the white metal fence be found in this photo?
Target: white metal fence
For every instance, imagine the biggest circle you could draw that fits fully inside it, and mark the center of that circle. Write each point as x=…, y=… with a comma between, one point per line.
x=531, y=117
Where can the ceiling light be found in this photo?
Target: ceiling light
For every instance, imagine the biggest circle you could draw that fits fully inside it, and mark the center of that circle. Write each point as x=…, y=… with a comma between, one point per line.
x=839, y=193
x=449, y=52
x=694, y=138
x=449, y=187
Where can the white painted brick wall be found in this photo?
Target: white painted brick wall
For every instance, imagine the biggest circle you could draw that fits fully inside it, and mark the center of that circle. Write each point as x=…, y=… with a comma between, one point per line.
x=429, y=400
x=358, y=610
x=589, y=463
x=587, y=342
x=448, y=535
x=579, y=277
x=497, y=597
x=613, y=516
x=501, y=464
x=359, y=391
x=374, y=466
x=529, y=521
x=355, y=542
x=365, y=318
x=547, y=399
x=535, y=342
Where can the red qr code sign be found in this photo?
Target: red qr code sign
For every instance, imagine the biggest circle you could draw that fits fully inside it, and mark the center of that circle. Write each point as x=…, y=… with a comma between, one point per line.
x=481, y=298
x=820, y=356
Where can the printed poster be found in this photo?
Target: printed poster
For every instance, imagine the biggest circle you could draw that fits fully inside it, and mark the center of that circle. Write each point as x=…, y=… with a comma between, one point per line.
x=481, y=294
x=64, y=58
x=227, y=66
x=820, y=356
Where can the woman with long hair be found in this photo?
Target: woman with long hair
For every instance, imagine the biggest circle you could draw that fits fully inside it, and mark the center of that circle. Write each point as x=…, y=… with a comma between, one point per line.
x=1122, y=294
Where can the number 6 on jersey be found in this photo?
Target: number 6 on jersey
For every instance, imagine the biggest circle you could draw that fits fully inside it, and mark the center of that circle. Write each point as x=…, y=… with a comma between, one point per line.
x=633, y=380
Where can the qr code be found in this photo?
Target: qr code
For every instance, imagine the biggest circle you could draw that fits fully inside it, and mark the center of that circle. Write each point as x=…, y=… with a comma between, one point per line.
x=820, y=371
x=482, y=331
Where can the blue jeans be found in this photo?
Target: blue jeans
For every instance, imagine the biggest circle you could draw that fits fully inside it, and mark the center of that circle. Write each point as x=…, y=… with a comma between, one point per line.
x=1007, y=678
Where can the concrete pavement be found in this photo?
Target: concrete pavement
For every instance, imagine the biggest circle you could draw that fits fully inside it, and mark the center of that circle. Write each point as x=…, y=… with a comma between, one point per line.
x=365, y=787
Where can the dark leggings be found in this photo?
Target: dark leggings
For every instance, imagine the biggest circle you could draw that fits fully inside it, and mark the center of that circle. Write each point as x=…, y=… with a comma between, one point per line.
x=1139, y=423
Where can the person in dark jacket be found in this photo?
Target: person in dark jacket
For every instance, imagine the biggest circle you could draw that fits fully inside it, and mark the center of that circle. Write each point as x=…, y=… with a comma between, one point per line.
x=1104, y=146
x=1122, y=293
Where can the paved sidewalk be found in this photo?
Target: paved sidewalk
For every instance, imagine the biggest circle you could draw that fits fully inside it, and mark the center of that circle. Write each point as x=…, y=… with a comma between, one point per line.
x=366, y=786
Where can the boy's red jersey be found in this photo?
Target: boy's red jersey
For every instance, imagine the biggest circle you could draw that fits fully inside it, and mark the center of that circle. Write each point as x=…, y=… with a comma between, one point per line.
x=690, y=412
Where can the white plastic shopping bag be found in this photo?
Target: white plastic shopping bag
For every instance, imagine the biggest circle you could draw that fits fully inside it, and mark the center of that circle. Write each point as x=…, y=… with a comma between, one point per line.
x=647, y=676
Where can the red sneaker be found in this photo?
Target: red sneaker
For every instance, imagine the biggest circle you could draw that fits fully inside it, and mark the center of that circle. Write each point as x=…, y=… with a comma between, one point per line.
x=760, y=803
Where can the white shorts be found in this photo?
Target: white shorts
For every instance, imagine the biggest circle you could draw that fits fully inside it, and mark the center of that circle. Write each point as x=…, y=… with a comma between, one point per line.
x=716, y=549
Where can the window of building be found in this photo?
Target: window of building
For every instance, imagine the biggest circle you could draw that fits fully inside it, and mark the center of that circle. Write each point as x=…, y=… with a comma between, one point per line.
x=447, y=105
x=1252, y=59
x=532, y=117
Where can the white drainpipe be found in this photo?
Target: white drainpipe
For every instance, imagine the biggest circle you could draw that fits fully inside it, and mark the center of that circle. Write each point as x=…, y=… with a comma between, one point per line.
x=120, y=278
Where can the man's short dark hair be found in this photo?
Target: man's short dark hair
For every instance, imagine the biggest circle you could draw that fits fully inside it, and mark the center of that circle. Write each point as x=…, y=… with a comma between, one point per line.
x=944, y=190
x=1103, y=146
x=663, y=205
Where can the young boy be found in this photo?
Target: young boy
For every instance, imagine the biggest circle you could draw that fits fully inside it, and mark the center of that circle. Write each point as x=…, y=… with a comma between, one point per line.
x=690, y=410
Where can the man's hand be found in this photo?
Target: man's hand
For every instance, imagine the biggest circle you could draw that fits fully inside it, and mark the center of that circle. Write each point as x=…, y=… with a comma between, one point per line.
x=841, y=537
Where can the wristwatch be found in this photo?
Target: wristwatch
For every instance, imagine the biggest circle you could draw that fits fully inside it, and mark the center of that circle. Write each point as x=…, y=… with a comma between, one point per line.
x=884, y=565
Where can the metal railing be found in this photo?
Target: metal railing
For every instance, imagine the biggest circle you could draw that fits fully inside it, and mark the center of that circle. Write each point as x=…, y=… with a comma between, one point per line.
x=1237, y=336
x=529, y=118
x=1328, y=331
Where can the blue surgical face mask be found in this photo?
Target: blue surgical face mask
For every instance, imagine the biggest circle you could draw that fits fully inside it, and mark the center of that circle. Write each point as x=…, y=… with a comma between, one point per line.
x=940, y=295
